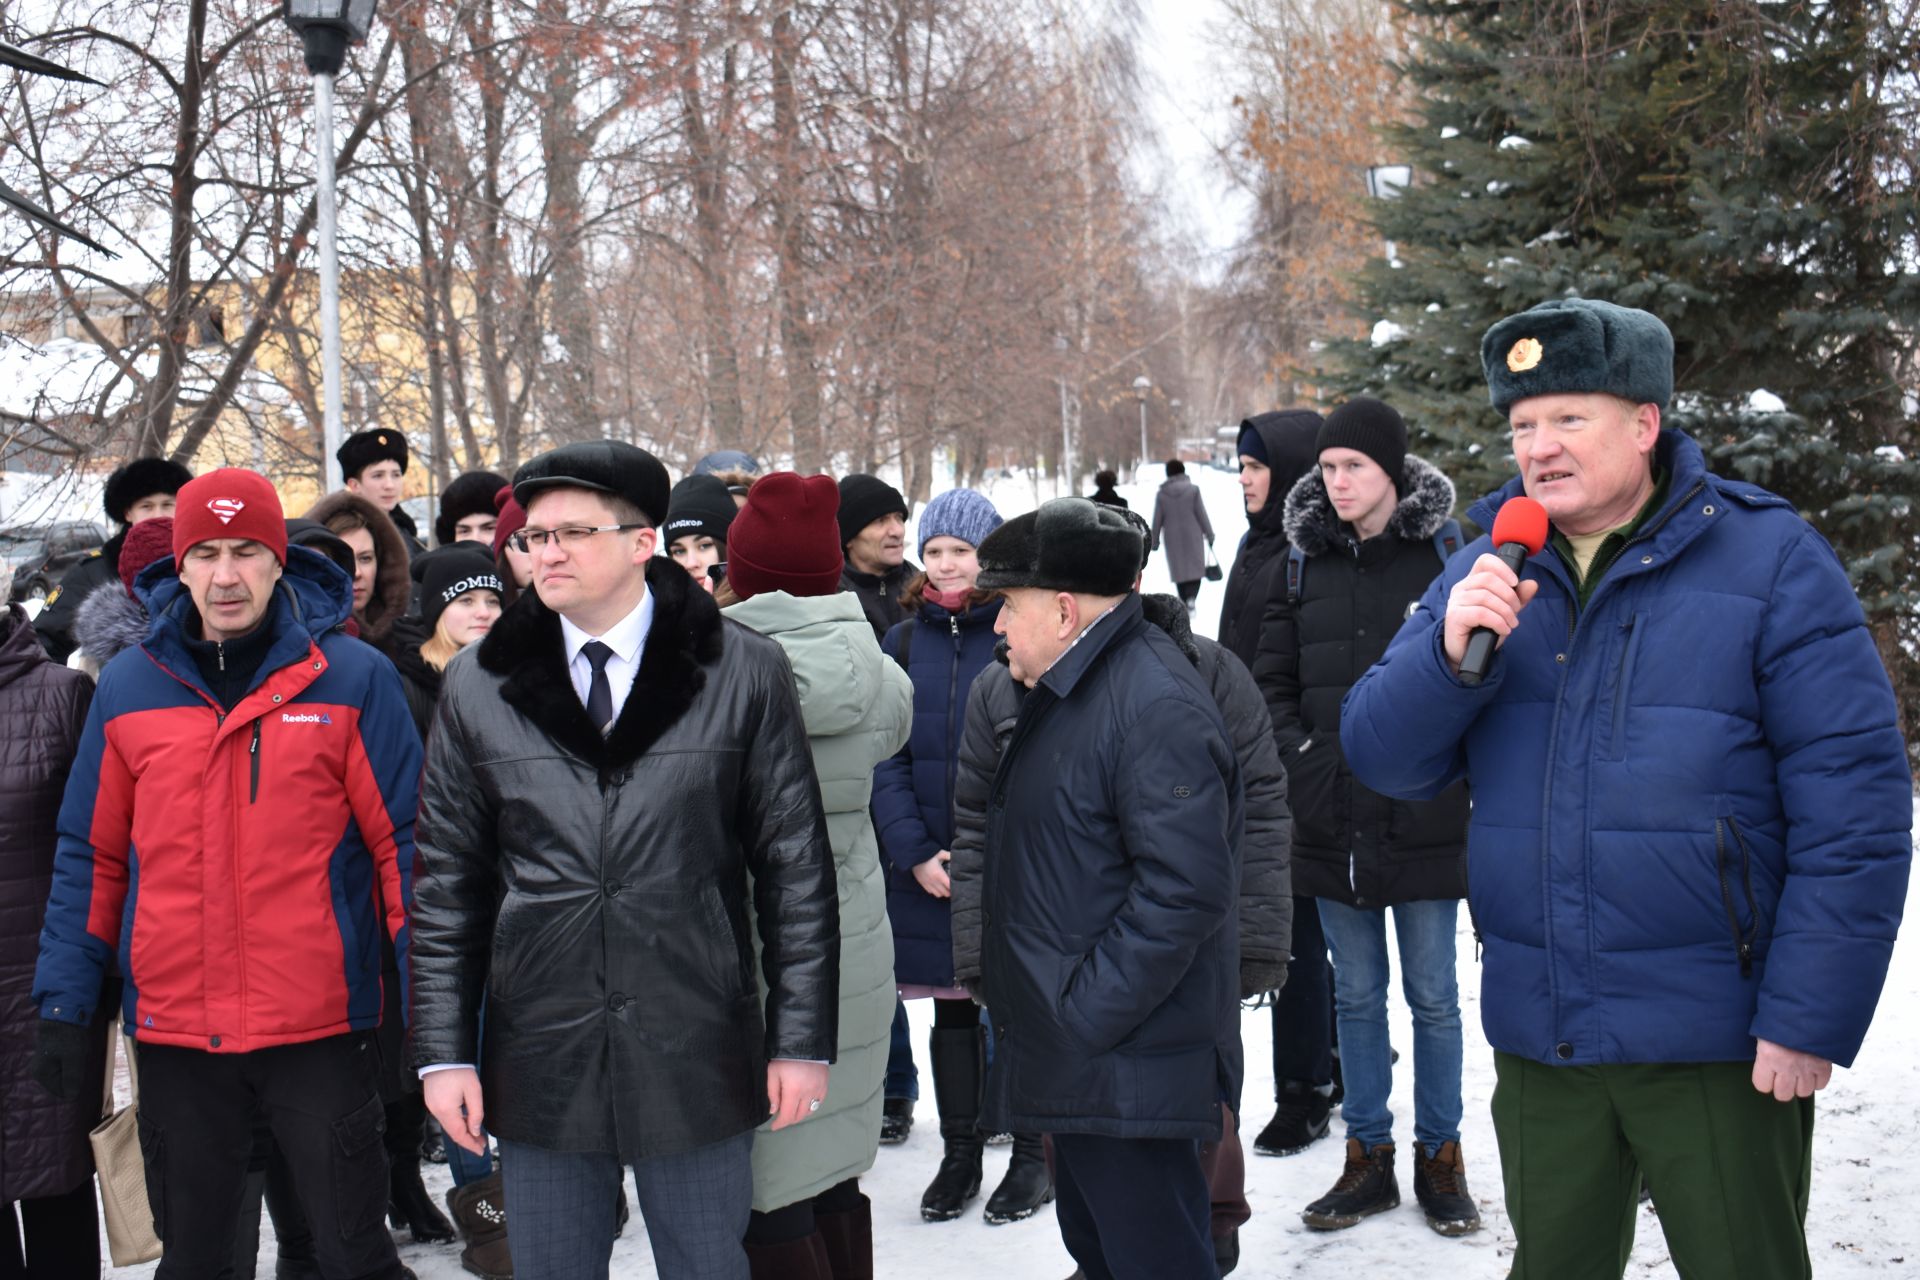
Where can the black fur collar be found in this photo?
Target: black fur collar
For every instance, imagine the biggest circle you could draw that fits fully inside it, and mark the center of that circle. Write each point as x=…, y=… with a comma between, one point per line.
x=525, y=647
x=1170, y=615
x=1313, y=526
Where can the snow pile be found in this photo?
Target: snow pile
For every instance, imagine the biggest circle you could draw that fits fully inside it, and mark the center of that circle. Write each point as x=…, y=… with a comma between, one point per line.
x=58, y=377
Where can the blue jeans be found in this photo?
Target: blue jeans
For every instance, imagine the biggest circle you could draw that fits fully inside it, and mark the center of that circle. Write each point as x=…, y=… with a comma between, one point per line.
x=903, y=1078
x=1358, y=940
x=695, y=1205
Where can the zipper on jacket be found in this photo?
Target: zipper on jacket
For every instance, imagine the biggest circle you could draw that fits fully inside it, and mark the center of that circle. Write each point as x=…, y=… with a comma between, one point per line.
x=220, y=653
x=1743, y=939
x=1627, y=650
x=253, y=765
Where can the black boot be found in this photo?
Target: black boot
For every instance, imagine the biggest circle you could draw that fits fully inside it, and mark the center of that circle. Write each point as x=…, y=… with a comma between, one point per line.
x=1027, y=1185
x=896, y=1121
x=408, y=1204
x=1365, y=1187
x=959, y=1071
x=1300, y=1120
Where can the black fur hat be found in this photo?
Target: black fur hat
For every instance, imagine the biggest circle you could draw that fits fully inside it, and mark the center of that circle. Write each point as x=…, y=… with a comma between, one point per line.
x=1069, y=544
x=140, y=478
x=468, y=494
x=364, y=448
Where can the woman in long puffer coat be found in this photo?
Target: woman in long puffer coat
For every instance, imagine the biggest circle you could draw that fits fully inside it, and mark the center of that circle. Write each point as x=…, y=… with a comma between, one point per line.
x=946, y=640
x=46, y=1164
x=810, y=1220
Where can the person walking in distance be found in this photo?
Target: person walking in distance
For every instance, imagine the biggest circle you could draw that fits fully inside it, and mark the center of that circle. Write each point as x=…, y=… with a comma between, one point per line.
x=1692, y=811
x=564, y=874
x=1180, y=524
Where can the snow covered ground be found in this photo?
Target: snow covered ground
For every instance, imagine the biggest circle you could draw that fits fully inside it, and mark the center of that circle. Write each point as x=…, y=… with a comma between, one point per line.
x=1862, y=1222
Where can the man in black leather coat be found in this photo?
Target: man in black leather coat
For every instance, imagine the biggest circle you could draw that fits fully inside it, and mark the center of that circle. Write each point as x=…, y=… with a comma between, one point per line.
x=568, y=870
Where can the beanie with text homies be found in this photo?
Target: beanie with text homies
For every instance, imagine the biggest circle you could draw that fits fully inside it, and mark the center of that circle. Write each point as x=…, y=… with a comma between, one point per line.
x=229, y=503
x=787, y=538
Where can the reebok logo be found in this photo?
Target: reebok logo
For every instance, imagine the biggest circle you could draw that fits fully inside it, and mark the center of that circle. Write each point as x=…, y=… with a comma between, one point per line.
x=307, y=717
x=226, y=508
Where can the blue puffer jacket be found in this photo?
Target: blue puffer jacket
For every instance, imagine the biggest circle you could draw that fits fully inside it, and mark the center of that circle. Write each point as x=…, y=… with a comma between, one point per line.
x=913, y=791
x=1691, y=803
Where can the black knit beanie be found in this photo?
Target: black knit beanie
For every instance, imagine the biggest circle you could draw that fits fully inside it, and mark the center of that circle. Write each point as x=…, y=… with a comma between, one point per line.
x=468, y=494
x=864, y=499
x=452, y=573
x=699, y=507
x=1368, y=426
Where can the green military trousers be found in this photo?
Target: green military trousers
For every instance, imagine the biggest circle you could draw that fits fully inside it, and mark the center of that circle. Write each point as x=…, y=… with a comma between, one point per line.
x=1728, y=1166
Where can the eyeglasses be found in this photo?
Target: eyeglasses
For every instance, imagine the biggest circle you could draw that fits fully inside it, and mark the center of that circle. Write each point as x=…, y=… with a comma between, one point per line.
x=569, y=537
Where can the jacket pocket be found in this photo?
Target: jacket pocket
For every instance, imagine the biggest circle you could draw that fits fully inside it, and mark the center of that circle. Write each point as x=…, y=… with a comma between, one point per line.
x=722, y=923
x=1634, y=627
x=1730, y=848
x=359, y=1162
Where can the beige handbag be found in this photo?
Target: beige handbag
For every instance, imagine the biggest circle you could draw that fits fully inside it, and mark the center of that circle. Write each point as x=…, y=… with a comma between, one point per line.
x=123, y=1175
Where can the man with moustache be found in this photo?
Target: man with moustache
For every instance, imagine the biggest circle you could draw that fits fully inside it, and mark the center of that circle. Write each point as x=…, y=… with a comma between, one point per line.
x=873, y=534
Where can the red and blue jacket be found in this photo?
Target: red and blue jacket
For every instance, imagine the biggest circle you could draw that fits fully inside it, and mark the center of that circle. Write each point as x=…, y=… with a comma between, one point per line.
x=239, y=864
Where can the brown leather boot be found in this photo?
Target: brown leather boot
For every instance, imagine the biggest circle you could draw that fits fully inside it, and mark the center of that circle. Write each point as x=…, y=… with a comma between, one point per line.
x=849, y=1240
x=479, y=1209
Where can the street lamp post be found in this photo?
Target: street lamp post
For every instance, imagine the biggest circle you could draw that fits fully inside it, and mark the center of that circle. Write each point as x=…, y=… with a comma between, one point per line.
x=1386, y=182
x=327, y=28
x=1142, y=385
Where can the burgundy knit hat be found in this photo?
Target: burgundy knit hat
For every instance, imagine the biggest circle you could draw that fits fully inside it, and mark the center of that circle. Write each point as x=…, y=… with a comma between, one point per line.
x=146, y=542
x=787, y=537
x=513, y=518
x=229, y=503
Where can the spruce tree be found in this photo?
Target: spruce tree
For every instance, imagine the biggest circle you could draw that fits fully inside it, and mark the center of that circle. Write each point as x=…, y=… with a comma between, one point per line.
x=1736, y=168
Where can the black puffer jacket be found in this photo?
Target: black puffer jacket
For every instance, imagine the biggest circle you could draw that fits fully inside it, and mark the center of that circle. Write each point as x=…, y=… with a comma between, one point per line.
x=1109, y=890
x=418, y=680
x=1266, y=894
x=1289, y=437
x=879, y=594
x=43, y=1143
x=1351, y=844
x=55, y=624
x=597, y=888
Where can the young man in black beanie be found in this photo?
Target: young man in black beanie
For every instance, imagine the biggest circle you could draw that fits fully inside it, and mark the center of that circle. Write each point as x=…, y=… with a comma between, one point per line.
x=1110, y=944
x=1363, y=528
x=873, y=533
x=139, y=489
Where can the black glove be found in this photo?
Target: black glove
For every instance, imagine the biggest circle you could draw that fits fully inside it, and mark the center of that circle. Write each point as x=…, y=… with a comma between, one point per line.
x=60, y=1058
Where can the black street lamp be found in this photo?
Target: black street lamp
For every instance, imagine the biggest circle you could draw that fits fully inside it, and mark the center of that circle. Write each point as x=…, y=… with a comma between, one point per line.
x=327, y=28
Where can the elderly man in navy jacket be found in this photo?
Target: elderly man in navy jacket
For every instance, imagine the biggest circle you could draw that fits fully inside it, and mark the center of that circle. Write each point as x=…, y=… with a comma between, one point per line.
x=1691, y=816
x=1112, y=875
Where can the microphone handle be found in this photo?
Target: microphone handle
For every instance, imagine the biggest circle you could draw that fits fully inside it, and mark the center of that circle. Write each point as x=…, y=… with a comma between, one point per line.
x=1481, y=641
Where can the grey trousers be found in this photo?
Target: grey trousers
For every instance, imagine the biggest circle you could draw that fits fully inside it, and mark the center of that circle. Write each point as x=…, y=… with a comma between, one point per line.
x=562, y=1206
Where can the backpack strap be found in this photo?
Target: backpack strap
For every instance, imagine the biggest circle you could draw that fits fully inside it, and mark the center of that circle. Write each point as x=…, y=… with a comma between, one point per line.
x=904, y=654
x=1296, y=568
x=1448, y=541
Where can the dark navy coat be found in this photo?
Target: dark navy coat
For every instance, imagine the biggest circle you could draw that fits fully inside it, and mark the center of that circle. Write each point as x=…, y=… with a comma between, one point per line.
x=913, y=791
x=1692, y=813
x=1109, y=897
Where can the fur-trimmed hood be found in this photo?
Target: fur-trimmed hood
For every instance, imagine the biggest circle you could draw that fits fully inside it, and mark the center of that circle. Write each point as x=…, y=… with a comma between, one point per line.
x=525, y=649
x=109, y=622
x=1313, y=526
x=392, y=586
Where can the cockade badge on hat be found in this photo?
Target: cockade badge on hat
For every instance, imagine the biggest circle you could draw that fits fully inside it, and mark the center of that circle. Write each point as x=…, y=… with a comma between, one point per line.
x=1525, y=355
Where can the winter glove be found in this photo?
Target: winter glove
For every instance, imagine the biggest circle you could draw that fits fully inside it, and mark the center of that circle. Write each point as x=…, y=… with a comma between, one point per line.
x=1259, y=977
x=60, y=1059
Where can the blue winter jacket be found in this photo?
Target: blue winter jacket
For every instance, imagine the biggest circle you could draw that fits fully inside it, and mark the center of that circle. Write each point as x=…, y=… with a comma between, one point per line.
x=1692, y=813
x=913, y=791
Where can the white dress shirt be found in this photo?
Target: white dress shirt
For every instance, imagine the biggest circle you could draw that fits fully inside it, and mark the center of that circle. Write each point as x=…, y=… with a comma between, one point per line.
x=628, y=640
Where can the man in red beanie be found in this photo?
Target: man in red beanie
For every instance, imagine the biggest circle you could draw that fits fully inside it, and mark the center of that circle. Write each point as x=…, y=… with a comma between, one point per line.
x=237, y=829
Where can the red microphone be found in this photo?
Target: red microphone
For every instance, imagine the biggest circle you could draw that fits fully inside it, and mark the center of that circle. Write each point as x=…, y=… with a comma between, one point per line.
x=1519, y=531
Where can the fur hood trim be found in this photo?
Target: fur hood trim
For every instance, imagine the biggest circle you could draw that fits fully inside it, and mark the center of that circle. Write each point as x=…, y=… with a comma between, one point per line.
x=392, y=583
x=109, y=623
x=1427, y=505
